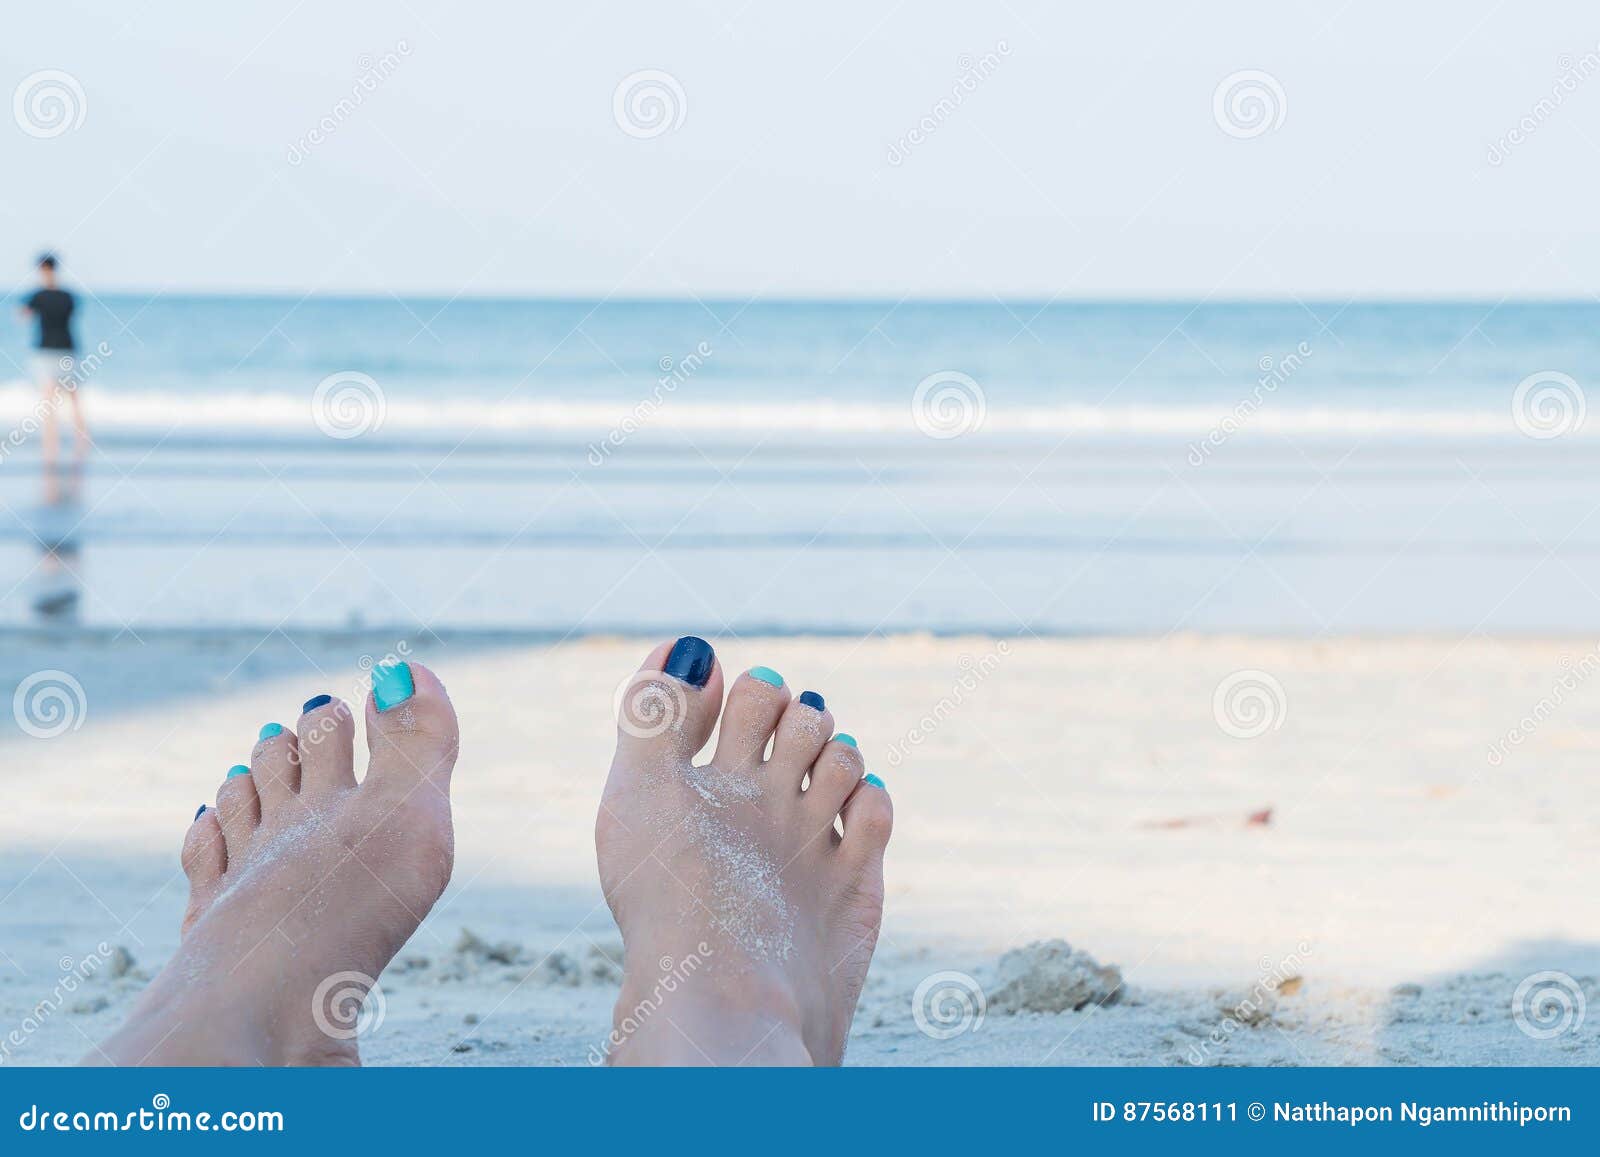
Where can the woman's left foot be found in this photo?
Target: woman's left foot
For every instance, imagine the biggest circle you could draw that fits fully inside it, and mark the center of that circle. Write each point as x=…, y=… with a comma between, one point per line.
x=304, y=884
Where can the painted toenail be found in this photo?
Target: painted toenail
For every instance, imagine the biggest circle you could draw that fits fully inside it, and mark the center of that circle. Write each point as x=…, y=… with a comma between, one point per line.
x=767, y=675
x=392, y=685
x=872, y=779
x=238, y=769
x=812, y=700
x=850, y=740
x=314, y=702
x=691, y=660
x=201, y=812
x=271, y=730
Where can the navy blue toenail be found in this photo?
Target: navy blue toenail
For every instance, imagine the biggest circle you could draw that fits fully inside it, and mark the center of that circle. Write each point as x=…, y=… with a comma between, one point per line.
x=812, y=700
x=691, y=660
x=316, y=701
x=200, y=813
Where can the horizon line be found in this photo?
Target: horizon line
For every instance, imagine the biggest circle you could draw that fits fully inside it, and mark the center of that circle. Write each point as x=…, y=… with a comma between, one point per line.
x=1049, y=301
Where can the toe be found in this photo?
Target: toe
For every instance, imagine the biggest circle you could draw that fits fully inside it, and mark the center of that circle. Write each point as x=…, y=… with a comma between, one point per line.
x=411, y=732
x=205, y=859
x=668, y=707
x=754, y=705
x=238, y=811
x=868, y=820
x=834, y=776
x=327, y=736
x=801, y=735
x=205, y=856
x=275, y=766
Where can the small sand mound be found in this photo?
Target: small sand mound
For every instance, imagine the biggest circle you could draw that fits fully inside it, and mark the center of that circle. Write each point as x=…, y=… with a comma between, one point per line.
x=475, y=958
x=1051, y=976
x=473, y=945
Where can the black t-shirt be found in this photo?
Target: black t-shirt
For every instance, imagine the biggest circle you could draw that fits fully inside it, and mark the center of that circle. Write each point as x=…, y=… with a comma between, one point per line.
x=53, y=308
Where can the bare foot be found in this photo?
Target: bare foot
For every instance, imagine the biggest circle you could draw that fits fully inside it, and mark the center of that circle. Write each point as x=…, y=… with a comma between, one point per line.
x=303, y=885
x=748, y=921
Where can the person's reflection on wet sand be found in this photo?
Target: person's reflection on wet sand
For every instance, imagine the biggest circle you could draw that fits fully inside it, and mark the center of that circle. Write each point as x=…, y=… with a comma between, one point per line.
x=57, y=588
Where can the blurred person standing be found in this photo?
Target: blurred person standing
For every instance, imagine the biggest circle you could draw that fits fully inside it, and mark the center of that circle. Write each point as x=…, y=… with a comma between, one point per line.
x=55, y=360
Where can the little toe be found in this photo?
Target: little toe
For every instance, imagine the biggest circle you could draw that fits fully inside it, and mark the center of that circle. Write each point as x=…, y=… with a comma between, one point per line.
x=667, y=708
x=205, y=855
x=327, y=737
x=754, y=705
x=275, y=767
x=834, y=776
x=868, y=817
x=412, y=735
x=238, y=811
x=801, y=735
x=205, y=859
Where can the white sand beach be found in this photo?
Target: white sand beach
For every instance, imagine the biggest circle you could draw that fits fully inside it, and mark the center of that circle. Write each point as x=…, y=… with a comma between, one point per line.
x=1403, y=886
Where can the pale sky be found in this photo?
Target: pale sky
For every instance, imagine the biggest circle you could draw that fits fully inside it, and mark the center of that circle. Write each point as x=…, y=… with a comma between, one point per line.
x=1088, y=163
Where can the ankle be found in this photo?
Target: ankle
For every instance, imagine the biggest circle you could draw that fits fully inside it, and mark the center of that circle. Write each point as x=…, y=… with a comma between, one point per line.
x=178, y=1024
x=697, y=1030
x=727, y=1013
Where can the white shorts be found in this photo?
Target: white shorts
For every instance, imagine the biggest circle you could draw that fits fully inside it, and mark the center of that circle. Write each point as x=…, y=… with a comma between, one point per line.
x=54, y=365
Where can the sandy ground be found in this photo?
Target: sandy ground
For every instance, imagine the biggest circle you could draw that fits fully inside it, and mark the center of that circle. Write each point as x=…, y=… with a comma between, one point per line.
x=1404, y=886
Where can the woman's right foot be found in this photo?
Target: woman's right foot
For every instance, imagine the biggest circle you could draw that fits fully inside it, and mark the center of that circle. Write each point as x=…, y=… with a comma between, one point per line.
x=748, y=921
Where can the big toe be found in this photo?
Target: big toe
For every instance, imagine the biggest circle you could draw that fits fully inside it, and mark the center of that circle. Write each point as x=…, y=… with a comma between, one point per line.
x=668, y=707
x=412, y=733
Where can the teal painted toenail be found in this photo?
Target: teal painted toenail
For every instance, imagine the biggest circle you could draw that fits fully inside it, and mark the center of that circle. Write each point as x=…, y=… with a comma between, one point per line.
x=238, y=769
x=392, y=686
x=271, y=729
x=767, y=675
x=842, y=737
x=872, y=779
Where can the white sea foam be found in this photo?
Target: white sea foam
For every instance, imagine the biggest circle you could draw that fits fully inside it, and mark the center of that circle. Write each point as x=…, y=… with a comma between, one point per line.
x=114, y=408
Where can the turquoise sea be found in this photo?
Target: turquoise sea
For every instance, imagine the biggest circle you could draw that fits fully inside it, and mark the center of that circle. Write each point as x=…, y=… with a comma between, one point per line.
x=579, y=466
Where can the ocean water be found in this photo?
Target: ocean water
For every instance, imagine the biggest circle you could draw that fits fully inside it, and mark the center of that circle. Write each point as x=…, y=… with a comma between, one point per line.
x=571, y=467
